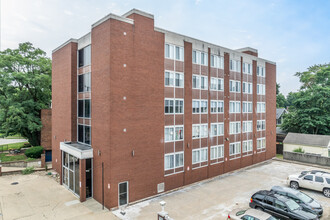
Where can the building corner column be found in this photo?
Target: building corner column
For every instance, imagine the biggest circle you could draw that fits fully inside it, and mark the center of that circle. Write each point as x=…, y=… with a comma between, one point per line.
x=82, y=178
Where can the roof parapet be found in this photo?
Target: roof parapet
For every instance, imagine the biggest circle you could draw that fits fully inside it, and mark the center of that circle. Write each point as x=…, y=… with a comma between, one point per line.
x=139, y=12
x=113, y=16
x=71, y=40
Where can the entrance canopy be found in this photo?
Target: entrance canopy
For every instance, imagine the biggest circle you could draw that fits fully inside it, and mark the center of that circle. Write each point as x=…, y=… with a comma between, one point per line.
x=81, y=151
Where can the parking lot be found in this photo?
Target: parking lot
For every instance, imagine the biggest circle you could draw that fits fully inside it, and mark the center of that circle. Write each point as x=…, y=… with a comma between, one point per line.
x=38, y=196
x=214, y=199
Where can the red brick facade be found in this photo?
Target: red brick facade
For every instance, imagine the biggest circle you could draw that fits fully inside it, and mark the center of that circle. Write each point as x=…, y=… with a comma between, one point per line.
x=46, y=130
x=127, y=116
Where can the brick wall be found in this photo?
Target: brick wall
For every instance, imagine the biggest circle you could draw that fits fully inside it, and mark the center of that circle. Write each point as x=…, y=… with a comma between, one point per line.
x=46, y=130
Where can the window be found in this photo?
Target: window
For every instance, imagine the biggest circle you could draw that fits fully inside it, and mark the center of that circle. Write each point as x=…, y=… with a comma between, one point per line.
x=247, y=126
x=247, y=88
x=199, y=155
x=319, y=179
x=214, y=84
x=214, y=106
x=261, y=89
x=235, y=65
x=169, y=51
x=234, y=148
x=84, y=134
x=261, y=71
x=217, y=129
x=199, y=57
x=123, y=193
x=247, y=68
x=234, y=86
x=261, y=143
x=84, y=82
x=203, y=106
x=196, y=82
x=169, y=78
x=234, y=107
x=220, y=85
x=216, y=152
x=220, y=107
x=235, y=127
x=261, y=125
x=328, y=180
x=217, y=106
x=179, y=80
x=217, y=61
x=308, y=177
x=195, y=106
x=169, y=106
x=247, y=146
x=247, y=107
x=261, y=107
x=279, y=204
x=179, y=53
x=179, y=106
x=174, y=133
x=173, y=160
x=84, y=56
x=199, y=131
x=204, y=82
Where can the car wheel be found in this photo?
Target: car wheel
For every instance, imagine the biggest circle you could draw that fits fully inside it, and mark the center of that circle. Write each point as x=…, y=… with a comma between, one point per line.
x=326, y=192
x=294, y=185
x=259, y=208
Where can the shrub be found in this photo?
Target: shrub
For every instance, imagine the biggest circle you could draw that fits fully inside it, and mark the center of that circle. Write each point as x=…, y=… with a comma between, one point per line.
x=34, y=152
x=28, y=170
x=26, y=145
x=299, y=150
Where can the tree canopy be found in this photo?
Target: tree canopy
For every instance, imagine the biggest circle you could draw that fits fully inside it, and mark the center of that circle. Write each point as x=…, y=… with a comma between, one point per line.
x=25, y=89
x=310, y=107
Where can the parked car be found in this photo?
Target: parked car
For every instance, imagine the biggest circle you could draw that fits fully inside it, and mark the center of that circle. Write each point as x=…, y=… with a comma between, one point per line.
x=249, y=214
x=306, y=202
x=315, y=180
x=279, y=206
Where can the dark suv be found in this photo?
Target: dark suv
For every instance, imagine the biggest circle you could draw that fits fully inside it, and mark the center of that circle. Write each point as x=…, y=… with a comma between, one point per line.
x=279, y=206
x=307, y=203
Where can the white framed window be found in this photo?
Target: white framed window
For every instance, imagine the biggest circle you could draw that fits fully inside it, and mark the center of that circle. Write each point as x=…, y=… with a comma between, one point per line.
x=247, y=88
x=174, y=133
x=247, y=68
x=204, y=82
x=204, y=106
x=234, y=86
x=199, y=155
x=234, y=107
x=247, y=126
x=217, y=129
x=174, y=52
x=261, y=107
x=213, y=105
x=196, y=82
x=235, y=65
x=261, y=89
x=199, y=131
x=169, y=78
x=261, y=71
x=261, y=125
x=179, y=80
x=220, y=107
x=216, y=152
x=234, y=148
x=169, y=106
x=261, y=143
x=179, y=106
x=220, y=84
x=196, y=106
x=235, y=127
x=173, y=160
x=247, y=107
x=247, y=146
x=199, y=57
x=214, y=83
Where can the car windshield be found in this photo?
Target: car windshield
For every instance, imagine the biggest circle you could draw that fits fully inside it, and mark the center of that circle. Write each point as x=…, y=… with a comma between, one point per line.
x=271, y=218
x=292, y=205
x=301, y=175
x=303, y=197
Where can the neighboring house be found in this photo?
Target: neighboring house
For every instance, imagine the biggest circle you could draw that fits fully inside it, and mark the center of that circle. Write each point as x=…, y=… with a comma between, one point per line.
x=138, y=110
x=310, y=143
x=280, y=112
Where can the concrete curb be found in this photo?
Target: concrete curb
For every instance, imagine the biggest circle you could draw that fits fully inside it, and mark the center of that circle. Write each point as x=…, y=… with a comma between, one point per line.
x=301, y=163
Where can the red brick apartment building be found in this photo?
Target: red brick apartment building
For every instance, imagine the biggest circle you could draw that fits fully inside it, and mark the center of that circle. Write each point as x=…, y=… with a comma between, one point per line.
x=138, y=110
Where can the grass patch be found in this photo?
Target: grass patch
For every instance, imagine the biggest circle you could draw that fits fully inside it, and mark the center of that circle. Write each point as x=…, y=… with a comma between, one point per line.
x=299, y=150
x=279, y=156
x=28, y=170
x=14, y=136
x=15, y=146
x=5, y=158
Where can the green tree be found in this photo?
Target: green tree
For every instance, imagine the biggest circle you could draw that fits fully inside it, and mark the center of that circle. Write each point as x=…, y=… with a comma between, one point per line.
x=280, y=98
x=310, y=107
x=25, y=89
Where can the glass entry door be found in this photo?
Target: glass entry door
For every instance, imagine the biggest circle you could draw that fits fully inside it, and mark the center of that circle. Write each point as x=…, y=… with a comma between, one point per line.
x=70, y=172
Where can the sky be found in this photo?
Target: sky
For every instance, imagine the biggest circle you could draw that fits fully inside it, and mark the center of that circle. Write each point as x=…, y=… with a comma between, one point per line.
x=293, y=33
